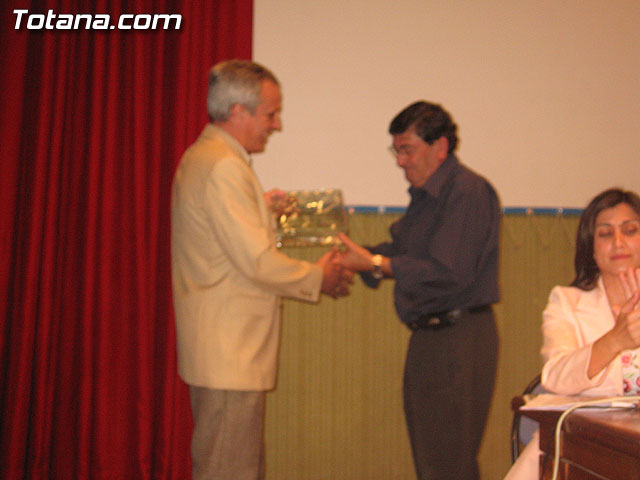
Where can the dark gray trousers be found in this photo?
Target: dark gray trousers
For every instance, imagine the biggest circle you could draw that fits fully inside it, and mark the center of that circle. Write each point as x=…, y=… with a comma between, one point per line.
x=448, y=384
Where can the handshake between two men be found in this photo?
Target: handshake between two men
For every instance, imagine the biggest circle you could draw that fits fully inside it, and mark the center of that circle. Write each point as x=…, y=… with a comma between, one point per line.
x=335, y=277
x=339, y=265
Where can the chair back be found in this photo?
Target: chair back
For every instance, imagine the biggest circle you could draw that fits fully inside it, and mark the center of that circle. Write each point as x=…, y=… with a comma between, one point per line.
x=523, y=428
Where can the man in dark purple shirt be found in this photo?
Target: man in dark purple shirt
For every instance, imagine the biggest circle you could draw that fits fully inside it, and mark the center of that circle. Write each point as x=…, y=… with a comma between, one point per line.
x=443, y=255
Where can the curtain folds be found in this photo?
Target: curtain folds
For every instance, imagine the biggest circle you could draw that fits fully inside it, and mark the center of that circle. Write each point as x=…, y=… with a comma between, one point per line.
x=94, y=123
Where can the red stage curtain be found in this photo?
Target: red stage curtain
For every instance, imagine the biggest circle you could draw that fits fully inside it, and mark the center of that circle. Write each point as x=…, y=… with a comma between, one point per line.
x=93, y=125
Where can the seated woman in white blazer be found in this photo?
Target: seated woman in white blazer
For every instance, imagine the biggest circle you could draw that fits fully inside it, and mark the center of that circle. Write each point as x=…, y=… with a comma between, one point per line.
x=591, y=329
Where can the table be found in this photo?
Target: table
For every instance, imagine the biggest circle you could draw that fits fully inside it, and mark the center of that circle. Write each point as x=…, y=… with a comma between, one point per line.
x=594, y=444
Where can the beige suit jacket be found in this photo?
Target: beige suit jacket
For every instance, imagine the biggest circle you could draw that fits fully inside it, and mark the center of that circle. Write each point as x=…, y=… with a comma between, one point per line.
x=227, y=274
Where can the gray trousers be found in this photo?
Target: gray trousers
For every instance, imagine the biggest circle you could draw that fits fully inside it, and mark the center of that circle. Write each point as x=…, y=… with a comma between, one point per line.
x=228, y=434
x=448, y=384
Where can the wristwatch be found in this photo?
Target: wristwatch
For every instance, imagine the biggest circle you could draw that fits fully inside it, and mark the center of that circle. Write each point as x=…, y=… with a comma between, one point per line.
x=377, y=267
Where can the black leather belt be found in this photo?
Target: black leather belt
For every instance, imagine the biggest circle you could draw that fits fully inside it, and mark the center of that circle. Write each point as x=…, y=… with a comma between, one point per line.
x=435, y=321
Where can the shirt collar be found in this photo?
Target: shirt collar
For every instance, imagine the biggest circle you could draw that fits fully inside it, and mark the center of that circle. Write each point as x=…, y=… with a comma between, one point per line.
x=435, y=182
x=212, y=131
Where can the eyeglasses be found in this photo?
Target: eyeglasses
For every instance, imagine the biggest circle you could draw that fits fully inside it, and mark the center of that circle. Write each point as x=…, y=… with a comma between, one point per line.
x=404, y=150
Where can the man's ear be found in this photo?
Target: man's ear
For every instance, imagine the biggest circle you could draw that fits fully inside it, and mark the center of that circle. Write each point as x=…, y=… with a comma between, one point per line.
x=238, y=112
x=442, y=147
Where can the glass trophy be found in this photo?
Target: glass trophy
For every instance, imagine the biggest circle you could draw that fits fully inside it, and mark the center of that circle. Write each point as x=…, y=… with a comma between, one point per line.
x=311, y=217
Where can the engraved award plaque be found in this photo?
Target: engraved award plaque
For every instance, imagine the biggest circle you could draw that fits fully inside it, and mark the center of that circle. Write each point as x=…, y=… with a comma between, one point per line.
x=311, y=217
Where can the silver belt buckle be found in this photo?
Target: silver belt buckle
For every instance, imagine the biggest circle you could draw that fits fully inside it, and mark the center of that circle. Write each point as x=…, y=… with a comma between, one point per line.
x=434, y=321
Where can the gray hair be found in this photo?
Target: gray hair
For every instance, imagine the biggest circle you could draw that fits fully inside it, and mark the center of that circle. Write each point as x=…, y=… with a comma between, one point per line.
x=235, y=82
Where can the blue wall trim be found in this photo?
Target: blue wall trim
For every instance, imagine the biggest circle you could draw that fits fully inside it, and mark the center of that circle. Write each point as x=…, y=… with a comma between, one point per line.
x=541, y=211
x=505, y=210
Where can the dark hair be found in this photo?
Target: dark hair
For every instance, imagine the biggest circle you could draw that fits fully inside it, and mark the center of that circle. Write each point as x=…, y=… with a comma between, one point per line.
x=587, y=270
x=430, y=122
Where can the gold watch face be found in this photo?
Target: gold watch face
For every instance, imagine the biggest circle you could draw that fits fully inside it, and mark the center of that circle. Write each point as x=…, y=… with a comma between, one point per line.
x=377, y=267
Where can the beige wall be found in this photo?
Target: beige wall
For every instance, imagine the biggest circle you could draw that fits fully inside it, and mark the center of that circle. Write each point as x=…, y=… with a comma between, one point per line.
x=545, y=92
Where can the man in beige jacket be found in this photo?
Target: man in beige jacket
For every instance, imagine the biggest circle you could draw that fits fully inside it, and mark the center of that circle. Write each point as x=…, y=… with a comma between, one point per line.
x=228, y=276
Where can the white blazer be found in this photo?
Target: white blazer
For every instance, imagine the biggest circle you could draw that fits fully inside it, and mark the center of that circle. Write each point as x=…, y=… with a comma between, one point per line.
x=572, y=321
x=227, y=273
